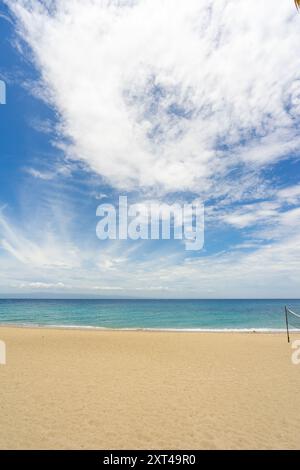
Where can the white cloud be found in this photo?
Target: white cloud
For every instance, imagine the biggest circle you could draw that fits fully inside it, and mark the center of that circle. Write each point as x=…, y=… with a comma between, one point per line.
x=100, y=196
x=48, y=252
x=109, y=288
x=39, y=174
x=270, y=218
x=42, y=285
x=271, y=270
x=290, y=194
x=151, y=92
x=251, y=214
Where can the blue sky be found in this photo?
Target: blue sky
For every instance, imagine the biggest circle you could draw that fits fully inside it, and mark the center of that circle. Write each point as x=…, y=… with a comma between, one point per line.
x=114, y=98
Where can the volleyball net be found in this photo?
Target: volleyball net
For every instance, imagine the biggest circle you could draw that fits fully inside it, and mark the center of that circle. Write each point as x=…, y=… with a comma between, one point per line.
x=292, y=319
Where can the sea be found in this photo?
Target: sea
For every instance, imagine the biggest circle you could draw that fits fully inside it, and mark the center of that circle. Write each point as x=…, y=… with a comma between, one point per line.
x=200, y=315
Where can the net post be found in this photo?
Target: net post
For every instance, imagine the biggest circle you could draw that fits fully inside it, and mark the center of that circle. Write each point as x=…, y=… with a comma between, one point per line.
x=287, y=324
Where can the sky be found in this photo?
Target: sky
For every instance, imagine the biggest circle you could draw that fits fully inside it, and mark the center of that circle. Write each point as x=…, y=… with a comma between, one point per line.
x=159, y=100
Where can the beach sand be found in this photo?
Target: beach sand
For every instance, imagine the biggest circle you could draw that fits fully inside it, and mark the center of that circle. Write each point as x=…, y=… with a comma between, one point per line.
x=68, y=389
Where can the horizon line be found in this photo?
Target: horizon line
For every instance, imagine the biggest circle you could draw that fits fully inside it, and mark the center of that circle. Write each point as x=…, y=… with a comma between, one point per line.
x=148, y=298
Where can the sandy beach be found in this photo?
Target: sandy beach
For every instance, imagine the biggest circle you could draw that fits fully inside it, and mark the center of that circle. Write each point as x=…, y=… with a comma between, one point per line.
x=68, y=389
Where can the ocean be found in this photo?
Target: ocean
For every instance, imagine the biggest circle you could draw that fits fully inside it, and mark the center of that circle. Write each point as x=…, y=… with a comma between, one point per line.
x=204, y=315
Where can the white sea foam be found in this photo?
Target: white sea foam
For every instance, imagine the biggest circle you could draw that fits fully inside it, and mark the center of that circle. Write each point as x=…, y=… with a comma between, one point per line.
x=175, y=330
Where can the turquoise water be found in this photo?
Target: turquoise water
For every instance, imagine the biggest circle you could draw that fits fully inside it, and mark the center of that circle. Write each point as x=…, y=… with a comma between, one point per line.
x=161, y=314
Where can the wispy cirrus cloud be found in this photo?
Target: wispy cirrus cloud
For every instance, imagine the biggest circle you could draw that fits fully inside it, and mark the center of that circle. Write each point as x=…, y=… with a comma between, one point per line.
x=168, y=94
x=281, y=211
x=39, y=174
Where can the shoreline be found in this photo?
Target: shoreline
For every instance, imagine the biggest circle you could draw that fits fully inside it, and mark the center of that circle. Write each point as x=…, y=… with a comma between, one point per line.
x=145, y=329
